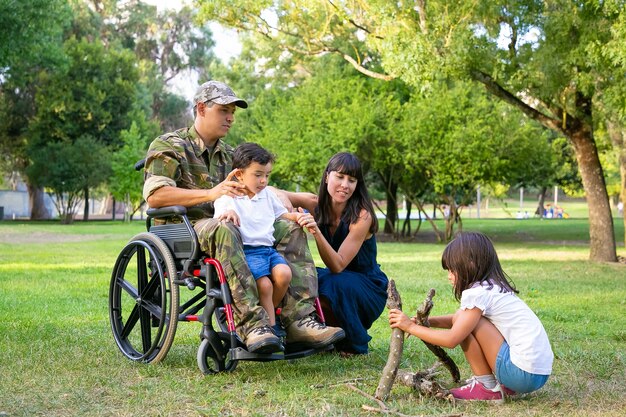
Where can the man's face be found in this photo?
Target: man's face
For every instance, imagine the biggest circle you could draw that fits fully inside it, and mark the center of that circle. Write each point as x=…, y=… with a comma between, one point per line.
x=255, y=176
x=216, y=120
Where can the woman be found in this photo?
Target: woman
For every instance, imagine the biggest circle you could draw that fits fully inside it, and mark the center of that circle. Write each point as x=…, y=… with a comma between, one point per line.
x=352, y=288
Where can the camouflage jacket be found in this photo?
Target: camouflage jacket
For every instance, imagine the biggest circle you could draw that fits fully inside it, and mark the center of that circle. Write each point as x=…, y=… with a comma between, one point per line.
x=181, y=159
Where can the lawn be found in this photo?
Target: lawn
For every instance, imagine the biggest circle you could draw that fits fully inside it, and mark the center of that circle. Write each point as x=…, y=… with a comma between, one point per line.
x=59, y=358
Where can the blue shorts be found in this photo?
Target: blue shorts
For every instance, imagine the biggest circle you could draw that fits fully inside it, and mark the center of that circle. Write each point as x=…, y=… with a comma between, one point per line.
x=262, y=259
x=512, y=377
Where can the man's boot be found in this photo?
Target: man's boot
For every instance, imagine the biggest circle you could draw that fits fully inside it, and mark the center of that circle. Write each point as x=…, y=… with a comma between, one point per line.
x=310, y=333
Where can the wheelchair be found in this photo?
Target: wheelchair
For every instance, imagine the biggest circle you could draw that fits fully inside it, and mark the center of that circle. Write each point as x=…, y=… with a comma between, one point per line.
x=145, y=305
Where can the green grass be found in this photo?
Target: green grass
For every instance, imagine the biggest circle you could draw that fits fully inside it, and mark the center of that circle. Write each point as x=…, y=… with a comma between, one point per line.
x=59, y=357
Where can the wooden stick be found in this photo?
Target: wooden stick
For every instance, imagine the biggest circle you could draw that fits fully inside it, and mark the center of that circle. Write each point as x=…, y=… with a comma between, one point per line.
x=396, y=346
x=347, y=381
x=422, y=318
x=366, y=395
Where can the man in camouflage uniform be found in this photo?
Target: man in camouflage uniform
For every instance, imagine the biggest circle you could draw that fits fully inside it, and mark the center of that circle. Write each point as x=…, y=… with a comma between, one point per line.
x=192, y=167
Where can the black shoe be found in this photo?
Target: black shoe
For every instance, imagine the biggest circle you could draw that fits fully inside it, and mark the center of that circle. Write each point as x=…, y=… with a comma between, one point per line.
x=263, y=340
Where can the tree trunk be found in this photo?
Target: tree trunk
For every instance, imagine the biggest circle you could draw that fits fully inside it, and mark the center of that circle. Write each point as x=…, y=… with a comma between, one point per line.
x=392, y=207
x=86, y=209
x=38, y=210
x=601, y=233
x=622, y=171
x=406, y=226
x=618, y=137
x=542, y=199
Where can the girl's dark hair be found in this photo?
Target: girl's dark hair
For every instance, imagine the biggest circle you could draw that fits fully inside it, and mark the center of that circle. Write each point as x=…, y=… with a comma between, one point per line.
x=472, y=258
x=347, y=164
x=247, y=153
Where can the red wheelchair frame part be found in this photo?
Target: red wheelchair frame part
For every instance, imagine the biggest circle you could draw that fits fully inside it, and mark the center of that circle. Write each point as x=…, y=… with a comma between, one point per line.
x=221, y=276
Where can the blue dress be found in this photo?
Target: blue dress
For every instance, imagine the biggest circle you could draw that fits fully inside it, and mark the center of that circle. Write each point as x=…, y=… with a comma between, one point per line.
x=358, y=294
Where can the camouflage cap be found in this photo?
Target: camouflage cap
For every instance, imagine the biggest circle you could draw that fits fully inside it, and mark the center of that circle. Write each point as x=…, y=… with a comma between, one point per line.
x=219, y=93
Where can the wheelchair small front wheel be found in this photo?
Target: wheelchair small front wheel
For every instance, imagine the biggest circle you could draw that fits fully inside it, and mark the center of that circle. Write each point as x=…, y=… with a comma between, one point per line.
x=209, y=360
x=143, y=299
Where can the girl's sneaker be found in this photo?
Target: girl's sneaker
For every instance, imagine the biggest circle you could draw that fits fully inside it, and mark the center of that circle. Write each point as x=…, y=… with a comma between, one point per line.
x=507, y=391
x=475, y=391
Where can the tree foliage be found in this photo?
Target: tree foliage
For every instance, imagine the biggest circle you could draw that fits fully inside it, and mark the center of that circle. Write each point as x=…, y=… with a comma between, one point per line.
x=552, y=61
x=31, y=32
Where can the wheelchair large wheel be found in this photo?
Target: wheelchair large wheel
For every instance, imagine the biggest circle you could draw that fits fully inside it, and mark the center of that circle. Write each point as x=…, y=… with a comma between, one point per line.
x=209, y=360
x=143, y=299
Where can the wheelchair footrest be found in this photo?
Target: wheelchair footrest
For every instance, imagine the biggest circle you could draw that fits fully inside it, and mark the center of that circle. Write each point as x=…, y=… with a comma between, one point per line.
x=241, y=354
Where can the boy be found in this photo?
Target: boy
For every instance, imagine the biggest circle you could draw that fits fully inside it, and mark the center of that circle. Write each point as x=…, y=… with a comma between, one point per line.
x=255, y=213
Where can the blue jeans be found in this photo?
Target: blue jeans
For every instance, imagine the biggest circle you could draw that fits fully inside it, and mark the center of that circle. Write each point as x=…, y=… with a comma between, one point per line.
x=512, y=377
x=262, y=259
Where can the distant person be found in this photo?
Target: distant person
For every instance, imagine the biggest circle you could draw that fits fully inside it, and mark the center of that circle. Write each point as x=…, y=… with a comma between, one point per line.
x=503, y=340
x=254, y=213
x=352, y=287
x=620, y=208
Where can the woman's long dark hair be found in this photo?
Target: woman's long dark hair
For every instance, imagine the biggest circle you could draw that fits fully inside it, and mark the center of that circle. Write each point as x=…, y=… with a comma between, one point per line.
x=472, y=258
x=347, y=164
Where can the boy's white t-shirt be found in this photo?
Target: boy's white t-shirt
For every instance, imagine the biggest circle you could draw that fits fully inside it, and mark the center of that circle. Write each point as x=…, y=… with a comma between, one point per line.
x=256, y=215
x=529, y=345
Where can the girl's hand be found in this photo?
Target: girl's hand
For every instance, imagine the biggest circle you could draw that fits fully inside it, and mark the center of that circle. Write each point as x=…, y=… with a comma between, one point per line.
x=399, y=320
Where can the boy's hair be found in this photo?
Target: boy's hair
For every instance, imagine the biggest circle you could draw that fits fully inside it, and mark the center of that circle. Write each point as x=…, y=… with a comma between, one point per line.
x=473, y=259
x=247, y=153
x=347, y=164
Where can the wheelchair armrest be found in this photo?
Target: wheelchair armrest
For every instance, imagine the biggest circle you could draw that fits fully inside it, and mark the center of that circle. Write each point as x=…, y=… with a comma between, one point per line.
x=167, y=211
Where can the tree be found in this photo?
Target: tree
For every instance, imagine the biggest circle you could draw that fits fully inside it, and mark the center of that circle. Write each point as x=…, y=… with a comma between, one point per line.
x=172, y=42
x=546, y=59
x=30, y=41
x=88, y=102
x=69, y=170
x=458, y=138
x=125, y=183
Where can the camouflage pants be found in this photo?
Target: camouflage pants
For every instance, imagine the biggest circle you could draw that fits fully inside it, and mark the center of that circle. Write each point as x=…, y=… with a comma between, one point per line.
x=221, y=240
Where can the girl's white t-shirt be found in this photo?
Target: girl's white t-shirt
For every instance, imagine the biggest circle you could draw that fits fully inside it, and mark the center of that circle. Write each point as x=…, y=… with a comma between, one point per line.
x=529, y=346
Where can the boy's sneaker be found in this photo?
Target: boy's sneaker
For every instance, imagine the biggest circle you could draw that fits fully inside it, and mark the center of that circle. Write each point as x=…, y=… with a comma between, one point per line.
x=263, y=340
x=310, y=333
x=475, y=391
x=279, y=331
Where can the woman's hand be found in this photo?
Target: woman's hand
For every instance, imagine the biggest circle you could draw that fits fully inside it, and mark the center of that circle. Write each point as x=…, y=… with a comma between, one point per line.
x=230, y=216
x=399, y=320
x=306, y=220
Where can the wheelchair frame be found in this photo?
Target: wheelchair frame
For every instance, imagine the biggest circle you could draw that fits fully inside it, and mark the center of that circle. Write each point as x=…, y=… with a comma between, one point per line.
x=144, y=298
